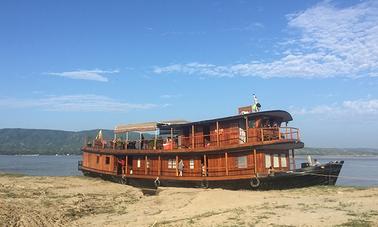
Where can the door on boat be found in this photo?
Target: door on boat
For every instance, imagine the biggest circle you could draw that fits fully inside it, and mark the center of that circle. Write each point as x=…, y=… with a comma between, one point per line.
x=204, y=166
x=120, y=164
x=242, y=132
x=130, y=165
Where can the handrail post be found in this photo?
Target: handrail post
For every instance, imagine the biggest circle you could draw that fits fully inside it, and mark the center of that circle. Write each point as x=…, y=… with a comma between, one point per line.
x=126, y=164
x=291, y=133
x=193, y=139
x=247, y=130
x=176, y=165
x=279, y=133
x=255, y=160
x=171, y=138
x=114, y=141
x=155, y=139
x=205, y=161
x=127, y=140
x=298, y=135
x=159, y=165
x=145, y=165
x=262, y=134
x=226, y=158
x=293, y=157
x=286, y=135
x=217, y=134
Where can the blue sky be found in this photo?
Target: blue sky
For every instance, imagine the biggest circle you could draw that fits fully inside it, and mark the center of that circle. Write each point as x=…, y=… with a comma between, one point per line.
x=77, y=65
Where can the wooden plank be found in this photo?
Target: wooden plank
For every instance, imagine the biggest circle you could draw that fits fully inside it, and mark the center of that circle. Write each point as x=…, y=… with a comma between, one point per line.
x=292, y=156
x=246, y=129
x=204, y=160
x=159, y=165
x=127, y=140
x=255, y=159
x=171, y=138
x=155, y=140
x=126, y=164
x=145, y=164
x=193, y=137
x=176, y=165
x=298, y=135
x=226, y=157
x=217, y=133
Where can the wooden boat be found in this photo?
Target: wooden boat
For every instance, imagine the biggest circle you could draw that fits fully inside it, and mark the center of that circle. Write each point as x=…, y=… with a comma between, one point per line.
x=252, y=150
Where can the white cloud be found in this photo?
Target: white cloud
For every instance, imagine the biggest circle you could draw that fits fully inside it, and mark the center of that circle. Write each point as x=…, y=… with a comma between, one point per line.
x=74, y=103
x=331, y=42
x=350, y=107
x=96, y=74
x=168, y=96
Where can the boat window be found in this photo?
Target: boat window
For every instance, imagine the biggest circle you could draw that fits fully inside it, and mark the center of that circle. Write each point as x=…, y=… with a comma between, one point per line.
x=268, y=162
x=251, y=123
x=107, y=160
x=191, y=164
x=276, y=163
x=283, y=160
x=171, y=164
x=138, y=163
x=242, y=162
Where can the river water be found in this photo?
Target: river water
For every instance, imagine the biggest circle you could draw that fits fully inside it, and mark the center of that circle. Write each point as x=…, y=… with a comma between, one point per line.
x=357, y=170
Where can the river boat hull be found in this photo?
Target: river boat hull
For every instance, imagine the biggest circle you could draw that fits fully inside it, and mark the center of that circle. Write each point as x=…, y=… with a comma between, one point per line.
x=325, y=174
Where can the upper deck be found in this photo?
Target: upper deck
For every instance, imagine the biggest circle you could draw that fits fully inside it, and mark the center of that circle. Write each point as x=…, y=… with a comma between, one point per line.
x=216, y=134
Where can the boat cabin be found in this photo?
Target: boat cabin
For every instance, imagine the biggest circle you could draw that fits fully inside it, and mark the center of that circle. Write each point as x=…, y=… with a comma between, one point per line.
x=244, y=145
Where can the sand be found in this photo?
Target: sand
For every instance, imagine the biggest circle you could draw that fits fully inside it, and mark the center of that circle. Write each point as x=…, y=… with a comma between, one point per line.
x=83, y=201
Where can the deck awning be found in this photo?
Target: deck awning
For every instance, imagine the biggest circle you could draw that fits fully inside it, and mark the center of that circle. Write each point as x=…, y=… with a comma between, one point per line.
x=279, y=114
x=145, y=127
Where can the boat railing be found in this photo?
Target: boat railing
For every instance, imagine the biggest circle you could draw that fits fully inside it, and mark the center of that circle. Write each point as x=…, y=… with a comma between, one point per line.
x=210, y=140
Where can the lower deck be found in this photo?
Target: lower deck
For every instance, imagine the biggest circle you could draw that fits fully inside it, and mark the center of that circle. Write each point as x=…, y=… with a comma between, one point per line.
x=326, y=174
x=191, y=166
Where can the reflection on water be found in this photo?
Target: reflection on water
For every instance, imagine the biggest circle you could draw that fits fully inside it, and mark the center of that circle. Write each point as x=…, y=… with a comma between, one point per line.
x=357, y=171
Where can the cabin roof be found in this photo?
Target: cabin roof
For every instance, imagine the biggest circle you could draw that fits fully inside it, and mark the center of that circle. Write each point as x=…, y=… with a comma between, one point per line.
x=152, y=126
x=146, y=127
x=284, y=116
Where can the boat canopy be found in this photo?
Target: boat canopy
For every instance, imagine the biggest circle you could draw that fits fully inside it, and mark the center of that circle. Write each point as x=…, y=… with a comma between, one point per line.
x=282, y=115
x=164, y=125
x=146, y=127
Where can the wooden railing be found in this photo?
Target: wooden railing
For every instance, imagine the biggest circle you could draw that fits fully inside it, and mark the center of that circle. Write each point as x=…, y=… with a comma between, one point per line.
x=211, y=140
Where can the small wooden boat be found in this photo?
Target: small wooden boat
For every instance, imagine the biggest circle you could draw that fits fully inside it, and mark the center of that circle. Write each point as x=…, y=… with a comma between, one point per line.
x=252, y=150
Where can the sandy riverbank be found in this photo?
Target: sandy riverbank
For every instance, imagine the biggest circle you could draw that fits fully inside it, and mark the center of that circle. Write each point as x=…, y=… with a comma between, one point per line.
x=81, y=201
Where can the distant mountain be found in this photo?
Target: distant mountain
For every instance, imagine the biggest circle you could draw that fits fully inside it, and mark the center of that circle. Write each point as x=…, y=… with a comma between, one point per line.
x=41, y=141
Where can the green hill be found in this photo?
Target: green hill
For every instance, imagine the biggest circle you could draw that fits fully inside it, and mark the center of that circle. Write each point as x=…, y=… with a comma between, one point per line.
x=41, y=141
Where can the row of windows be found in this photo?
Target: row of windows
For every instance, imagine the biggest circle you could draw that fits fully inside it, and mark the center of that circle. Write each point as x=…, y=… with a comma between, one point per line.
x=107, y=160
x=241, y=162
x=172, y=164
x=276, y=158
